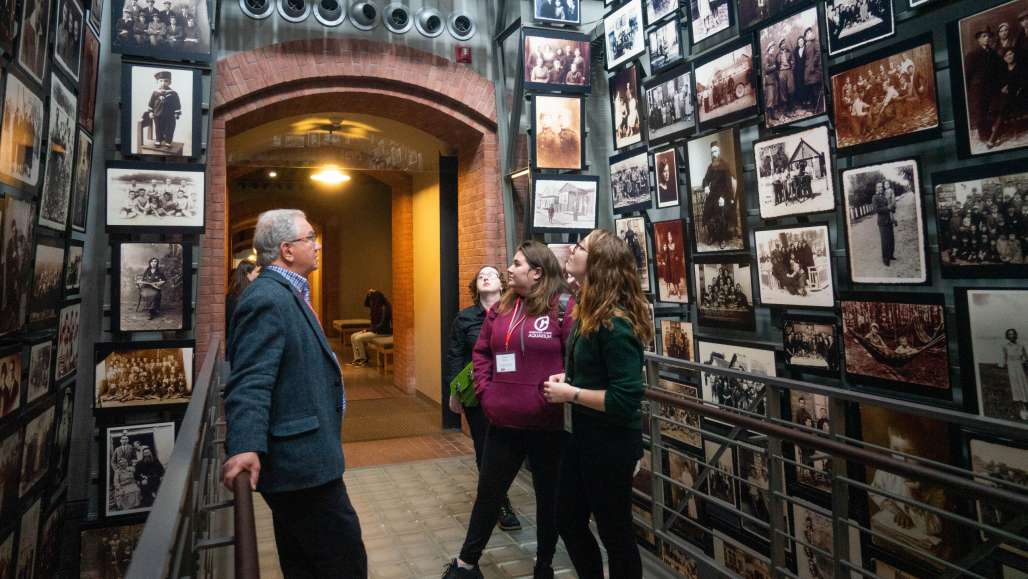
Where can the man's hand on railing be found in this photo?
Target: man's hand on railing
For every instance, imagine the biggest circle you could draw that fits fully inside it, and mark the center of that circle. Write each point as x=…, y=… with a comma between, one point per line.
x=244, y=461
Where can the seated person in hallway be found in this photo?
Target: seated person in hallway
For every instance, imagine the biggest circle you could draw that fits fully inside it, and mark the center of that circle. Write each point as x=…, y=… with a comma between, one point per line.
x=381, y=325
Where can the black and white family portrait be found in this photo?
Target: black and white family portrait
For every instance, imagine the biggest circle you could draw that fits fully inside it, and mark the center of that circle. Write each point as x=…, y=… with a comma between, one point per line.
x=633, y=231
x=136, y=459
x=557, y=132
x=625, y=107
x=724, y=293
x=794, y=173
x=853, y=23
x=665, y=44
x=153, y=286
x=669, y=106
x=811, y=344
x=624, y=33
x=47, y=280
x=676, y=339
x=565, y=203
x=21, y=135
x=556, y=60
x=143, y=196
x=19, y=227
x=730, y=392
x=143, y=376
x=55, y=201
x=167, y=29
x=161, y=111
x=792, y=70
x=725, y=86
x=795, y=266
x=558, y=11
x=715, y=191
x=630, y=181
x=669, y=261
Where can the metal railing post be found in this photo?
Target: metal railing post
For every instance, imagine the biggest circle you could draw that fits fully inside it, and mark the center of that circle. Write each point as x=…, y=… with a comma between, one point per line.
x=776, y=485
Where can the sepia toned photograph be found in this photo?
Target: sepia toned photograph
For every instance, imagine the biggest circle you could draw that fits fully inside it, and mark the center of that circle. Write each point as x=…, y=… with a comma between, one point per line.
x=689, y=434
x=665, y=45
x=665, y=163
x=10, y=381
x=753, y=12
x=715, y=187
x=566, y=203
x=657, y=9
x=67, y=342
x=35, y=456
x=87, y=79
x=814, y=467
x=794, y=173
x=652, y=346
x=19, y=226
x=981, y=213
x=633, y=231
x=557, y=127
x=740, y=560
x=676, y=339
x=27, y=545
x=144, y=196
x=754, y=488
x=853, y=23
x=897, y=341
x=811, y=344
x=630, y=182
x=720, y=484
x=62, y=436
x=54, y=203
x=96, y=8
x=725, y=87
x=643, y=478
x=34, y=38
x=1001, y=462
x=708, y=17
x=153, y=289
x=107, y=551
x=724, y=293
x=41, y=361
x=556, y=60
x=994, y=327
x=48, y=556
x=795, y=266
x=164, y=29
x=625, y=108
x=161, y=111
x=813, y=533
x=73, y=268
x=792, y=71
x=669, y=106
x=10, y=470
x=878, y=98
x=678, y=561
x=644, y=526
x=669, y=261
x=47, y=280
x=558, y=11
x=21, y=134
x=624, y=33
x=684, y=471
x=738, y=393
x=143, y=374
x=885, y=224
x=136, y=459
x=989, y=61
x=68, y=37
x=80, y=185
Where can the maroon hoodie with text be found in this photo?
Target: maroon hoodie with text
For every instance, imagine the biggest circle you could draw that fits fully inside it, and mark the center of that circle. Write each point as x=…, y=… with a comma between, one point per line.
x=515, y=399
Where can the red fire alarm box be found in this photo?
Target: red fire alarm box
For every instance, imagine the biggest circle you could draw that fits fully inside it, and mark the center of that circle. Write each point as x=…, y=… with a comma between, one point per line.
x=462, y=54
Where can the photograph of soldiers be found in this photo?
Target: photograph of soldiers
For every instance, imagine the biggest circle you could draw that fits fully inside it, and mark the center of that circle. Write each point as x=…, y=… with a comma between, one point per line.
x=630, y=182
x=67, y=342
x=90, y=63
x=10, y=467
x=18, y=230
x=814, y=467
x=853, y=23
x=557, y=130
x=47, y=280
x=563, y=11
x=690, y=433
x=810, y=344
x=73, y=269
x=752, y=12
x=21, y=134
x=625, y=107
x=161, y=28
x=10, y=383
x=720, y=484
x=556, y=60
x=794, y=173
x=724, y=292
x=792, y=71
x=107, y=551
x=795, y=266
x=150, y=282
x=669, y=261
x=676, y=339
x=740, y=560
x=633, y=231
x=813, y=532
x=657, y=9
x=80, y=184
x=885, y=227
x=669, y=108
x=716, y=200
x=724, y=85
x=738, y=393
x=708, y=17
x=625, y=39
x=144, y=376
x=35, y=34
x=998, y=332
x=565, y=203
x=136, y=458
x=993, y=59
x=154, y=198
x=27, y=541
x=54, y=203
x=163, y=109
x=885, y=98
x=40, y=365
x=665, y=44
x=68, y=41
x=36, y=450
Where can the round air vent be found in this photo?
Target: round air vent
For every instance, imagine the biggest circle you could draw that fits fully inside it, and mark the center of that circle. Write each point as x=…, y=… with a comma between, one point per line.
x=257, y=9
x=429, y=22
x=329, y=12
x=461, y=26
x=397, y=18
x=294, y=10
x=364, y=15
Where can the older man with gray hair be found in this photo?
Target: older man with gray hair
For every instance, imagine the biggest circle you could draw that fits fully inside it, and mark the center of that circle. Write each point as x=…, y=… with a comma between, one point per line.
x=284, y=405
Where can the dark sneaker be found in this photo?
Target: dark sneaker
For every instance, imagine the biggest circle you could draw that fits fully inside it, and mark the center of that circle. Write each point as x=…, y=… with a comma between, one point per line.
x=542, y=571
x=455, y=571
x=508, y=521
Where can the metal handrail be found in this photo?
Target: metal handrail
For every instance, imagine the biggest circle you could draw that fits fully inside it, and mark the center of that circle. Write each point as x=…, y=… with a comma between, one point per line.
x=247, y=566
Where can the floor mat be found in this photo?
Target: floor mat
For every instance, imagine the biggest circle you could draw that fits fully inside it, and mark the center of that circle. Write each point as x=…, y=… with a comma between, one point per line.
x=376, y=419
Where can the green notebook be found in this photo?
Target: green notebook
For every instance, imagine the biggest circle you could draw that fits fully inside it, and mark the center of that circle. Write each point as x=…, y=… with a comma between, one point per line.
x=463, y=386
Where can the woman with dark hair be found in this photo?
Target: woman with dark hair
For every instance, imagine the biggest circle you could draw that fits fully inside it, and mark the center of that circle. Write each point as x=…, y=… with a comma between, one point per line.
x=604, y=387
x=241, y=278
x=521, y=343
x=150, y=284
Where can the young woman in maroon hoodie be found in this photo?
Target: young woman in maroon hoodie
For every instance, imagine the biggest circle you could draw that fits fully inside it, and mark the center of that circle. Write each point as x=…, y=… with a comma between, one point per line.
x=520, y=345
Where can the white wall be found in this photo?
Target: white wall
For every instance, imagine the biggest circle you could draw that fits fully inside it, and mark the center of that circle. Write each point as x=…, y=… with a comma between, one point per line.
x=427, y=366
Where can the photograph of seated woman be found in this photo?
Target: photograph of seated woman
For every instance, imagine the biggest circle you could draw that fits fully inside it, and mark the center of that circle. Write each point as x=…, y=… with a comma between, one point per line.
x=381, y=325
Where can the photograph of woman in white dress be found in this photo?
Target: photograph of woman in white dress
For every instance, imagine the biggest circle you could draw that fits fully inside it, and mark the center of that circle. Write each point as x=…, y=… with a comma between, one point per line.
x=1013, y=358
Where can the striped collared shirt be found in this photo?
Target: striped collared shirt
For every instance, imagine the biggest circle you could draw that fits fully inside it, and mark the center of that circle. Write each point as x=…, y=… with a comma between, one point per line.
x=299, y=283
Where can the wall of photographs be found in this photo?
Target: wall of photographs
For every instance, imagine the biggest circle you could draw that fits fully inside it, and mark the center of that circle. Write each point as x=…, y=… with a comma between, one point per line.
x=835, y=191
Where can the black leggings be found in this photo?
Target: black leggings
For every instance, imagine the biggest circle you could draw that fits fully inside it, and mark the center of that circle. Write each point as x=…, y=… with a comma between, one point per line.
x=505, y=450
x=596, y=479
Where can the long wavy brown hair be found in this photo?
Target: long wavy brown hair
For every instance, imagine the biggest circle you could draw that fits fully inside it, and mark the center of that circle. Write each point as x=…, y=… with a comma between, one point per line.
x=542, y=294
x=611, y=288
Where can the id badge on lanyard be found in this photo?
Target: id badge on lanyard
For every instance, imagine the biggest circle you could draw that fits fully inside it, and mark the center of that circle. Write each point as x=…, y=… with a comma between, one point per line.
x=507, y=362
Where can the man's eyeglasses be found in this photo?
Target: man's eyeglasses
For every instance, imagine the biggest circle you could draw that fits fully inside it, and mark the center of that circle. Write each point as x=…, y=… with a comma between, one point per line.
x=312, y=238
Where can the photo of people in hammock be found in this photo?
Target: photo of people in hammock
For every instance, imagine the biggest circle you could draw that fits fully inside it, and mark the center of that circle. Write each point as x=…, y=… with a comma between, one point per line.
x=902, y=343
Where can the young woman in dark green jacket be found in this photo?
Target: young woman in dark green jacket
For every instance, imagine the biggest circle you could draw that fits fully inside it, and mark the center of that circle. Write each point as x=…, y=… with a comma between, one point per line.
x=603, y=383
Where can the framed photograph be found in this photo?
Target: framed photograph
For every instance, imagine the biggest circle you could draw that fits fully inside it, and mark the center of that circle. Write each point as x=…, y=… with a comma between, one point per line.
x=171, y=30
x=624, y=33
x=625, y=108
x=19, y=226
x=811, y=344
x=102, y=549
x=161, y=111
x=755, y=486
x=793, y=69
x=48, y=555
x=684, y=470
x=854, y=23
x=795, y=265
x=738, y=559
x=80, y=184
x=47, y=281
x=921, y=437
x=35, y=456
x=753, y=12
x=665, y=44
x=556, y=60
x=688, y=435
x=1005, y=462
x=715, y=187
x=10, y=380
x=980, y=215
x=558, y=11
x=8, y=32
x=724, y=292
x=720, y=484
x=986, y=50
x=565, y=203
x=67, y=342
x=708, y=17
x=652, y=346
x=54, y=204
x=794, y=173
x=96, y=10
x=657, y=9
x=41, y=367
x=993, y=331
x=135, y=461
x=814, y=536
x=10, y=470
x=630, y=182
x=68, y=40
x=669, y=261
x=643, y=479
x=726, y=90
x=737, y=393
x=143, y=374
x=676, y=339
x=665, y=163
x=22, y=124
x=885, y=223
x=886, y=96
x=62, y=438
x=813, y=468
x=897, y=341
x=558, y=123
x=142, y=197
x=27, y=536
x=34, y=38
x=152, y=285
x=87, y=78
x=633, y=231
x=669, y=106
x=73, y=268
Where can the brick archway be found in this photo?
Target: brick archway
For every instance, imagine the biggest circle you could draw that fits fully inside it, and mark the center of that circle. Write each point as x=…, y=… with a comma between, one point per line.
x=450, y=102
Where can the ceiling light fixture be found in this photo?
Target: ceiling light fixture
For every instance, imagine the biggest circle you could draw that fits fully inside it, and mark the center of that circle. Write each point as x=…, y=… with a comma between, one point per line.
x=330, y=176
x=272, y=174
